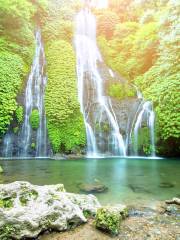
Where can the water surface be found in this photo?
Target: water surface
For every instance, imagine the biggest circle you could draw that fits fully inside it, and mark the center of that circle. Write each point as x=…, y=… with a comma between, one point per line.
x=128, y=180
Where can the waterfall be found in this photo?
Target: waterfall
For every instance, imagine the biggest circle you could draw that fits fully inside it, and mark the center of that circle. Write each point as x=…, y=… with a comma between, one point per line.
x=95, y=106
x=34, y=99
x=146, y=113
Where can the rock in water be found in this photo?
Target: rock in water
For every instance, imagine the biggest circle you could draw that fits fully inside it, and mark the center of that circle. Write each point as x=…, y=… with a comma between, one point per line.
x=108, y=219
x=173, y=201
x=26, y=210
x=95, y=187
x=1, y=170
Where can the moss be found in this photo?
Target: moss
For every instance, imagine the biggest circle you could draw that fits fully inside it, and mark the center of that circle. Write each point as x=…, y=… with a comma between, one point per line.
x=103, y=127
x=33, y=145
x=108, y=221
x=6, y=202
x=48, y=220
x=87, y=213
x=7, y=231
x=26, y=195
x=34, y=119
x=15, y=129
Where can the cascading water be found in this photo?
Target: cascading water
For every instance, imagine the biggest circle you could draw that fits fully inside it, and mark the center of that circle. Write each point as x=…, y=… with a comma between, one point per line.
x=34, y=99
x=7, y=145
x=95, y=106
x=146, y=113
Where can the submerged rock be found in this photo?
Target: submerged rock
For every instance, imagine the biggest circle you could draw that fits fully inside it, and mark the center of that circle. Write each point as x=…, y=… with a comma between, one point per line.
x=173, y=201
x=138, y=189
x=1, y=170
x=95, y=187
x=27, y=210
x=170, y=207
x=109, y=218
x=166, y=185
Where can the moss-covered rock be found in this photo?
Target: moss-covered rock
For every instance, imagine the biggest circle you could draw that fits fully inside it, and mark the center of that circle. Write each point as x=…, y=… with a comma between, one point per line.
x=26, y=210
x=109, y=219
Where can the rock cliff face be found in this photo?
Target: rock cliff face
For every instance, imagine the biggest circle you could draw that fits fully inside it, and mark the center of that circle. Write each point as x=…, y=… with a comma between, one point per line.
x=27, y=210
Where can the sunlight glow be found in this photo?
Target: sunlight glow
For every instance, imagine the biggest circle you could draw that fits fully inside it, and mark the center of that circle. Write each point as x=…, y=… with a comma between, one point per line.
x=99, y=3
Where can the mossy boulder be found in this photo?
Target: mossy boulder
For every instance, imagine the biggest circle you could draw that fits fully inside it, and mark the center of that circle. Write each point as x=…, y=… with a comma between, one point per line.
x=108, y=219
x=26, y=210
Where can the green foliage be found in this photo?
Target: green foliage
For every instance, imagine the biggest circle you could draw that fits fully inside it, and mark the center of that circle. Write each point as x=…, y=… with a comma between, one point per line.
x=59, y=20
x=106, y=23
x=15, y=13
x=161, y=82
x=120, y=91
x=34, y=119
x=33, y=145
x=16, y=52
x=65, y=122
x=19, y=114
x=137, y=46
x=116, y=90
x=11, y=75
x=123, y=9
x=68, y=135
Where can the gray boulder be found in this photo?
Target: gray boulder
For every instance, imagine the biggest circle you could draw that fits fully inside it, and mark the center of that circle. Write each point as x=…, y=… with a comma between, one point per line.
x=27, y=210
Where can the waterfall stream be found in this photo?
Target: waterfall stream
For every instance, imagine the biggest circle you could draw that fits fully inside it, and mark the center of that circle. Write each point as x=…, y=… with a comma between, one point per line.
x=34, y=99
x=29, y=142
x=94, y=104
x=7, y=145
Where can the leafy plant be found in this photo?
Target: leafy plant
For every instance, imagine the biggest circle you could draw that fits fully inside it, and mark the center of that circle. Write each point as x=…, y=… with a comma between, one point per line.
x=19, y=114
x=34, y=119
